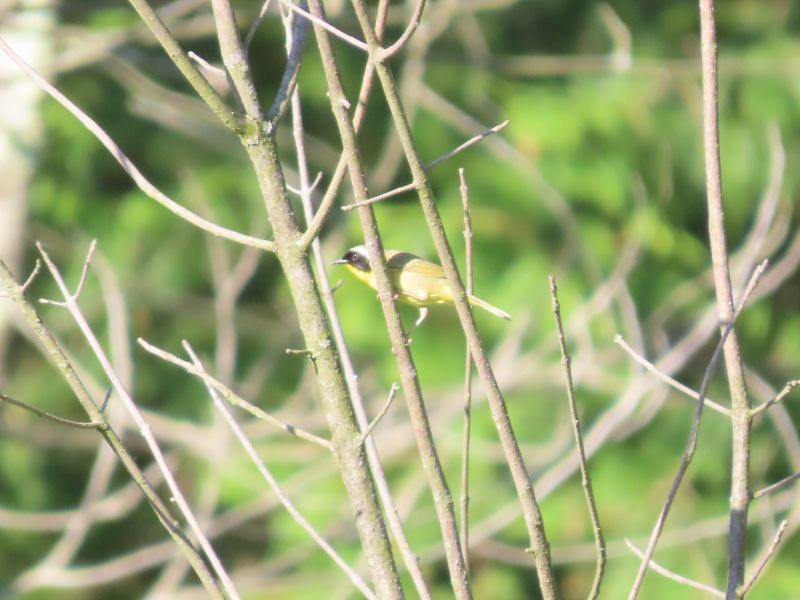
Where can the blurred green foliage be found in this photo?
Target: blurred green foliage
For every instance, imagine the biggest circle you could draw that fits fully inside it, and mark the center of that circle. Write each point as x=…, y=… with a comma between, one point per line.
x=594, y=162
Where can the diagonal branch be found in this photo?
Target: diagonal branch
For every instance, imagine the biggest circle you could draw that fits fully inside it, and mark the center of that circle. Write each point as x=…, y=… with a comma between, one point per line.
x=70, y=303
x=127, y=165
x=62, y=362
x=447, y=155
x=232, y=397
x=186, y=66
x=273, y=483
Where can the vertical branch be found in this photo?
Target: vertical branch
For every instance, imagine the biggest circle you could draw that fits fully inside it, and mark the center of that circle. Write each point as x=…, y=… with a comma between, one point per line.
x=392, y=515
x=262, y=150
x=600, y=543
x=464, y=496
x=412, y=391
x=530, y=507
x=740, y=405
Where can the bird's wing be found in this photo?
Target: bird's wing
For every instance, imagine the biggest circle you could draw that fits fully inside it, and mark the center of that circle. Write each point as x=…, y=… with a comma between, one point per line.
x=411, y=263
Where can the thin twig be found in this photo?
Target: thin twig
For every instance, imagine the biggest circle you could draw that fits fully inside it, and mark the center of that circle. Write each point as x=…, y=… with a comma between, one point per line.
x=776, y=486
x=382, y=413
x=251, y=33
x=311, y=187
x=413, y=23
x=787, y=389
x=586, y=482
x=234, y=398
x=773, y=548
x=355, y=42
x=43, y=413
x=296, y=35
x=219, y=404
x=218, y=71
x=674, y=576
x=447, y=155
x=409, y=187
x=36, y=269
x=81, y=281
x=666, y=378
x=468, y=144
x=465, y=443
x=314, y=227
x=127, y=165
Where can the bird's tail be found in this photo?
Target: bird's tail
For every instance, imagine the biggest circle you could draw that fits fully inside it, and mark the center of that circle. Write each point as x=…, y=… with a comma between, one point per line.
x=489, y=308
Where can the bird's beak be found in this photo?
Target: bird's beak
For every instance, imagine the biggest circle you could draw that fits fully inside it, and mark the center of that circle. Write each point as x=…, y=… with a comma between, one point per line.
x=339, y=261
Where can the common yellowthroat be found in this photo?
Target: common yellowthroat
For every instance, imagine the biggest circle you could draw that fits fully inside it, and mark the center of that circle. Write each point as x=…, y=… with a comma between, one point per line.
x=416, y=281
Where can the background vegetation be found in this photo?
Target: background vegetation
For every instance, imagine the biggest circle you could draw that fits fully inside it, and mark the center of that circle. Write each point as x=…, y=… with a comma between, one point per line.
x=598, y=179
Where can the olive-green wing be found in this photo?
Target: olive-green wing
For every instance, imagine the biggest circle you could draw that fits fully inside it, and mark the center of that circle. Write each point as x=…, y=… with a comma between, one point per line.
x=411, y=263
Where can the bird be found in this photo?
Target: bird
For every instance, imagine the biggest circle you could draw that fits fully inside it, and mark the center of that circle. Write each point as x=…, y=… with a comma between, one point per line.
x=416, y=281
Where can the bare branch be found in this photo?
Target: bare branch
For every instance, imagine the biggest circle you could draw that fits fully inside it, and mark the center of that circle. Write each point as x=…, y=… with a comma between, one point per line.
x=666, y=378
x=81, y=281
x=254, y=27
x=232, y=397
x=127, y=165
x=409, y=187
x=382, y=413
x=65, y=367
x=133, y=411
x=787, y=389
x=527, y=497
x=310, y=239
x=468, y=144
x=408, y=372
x=586, y=482
x=776, y=486
x=773, y=548
x=355, y=42
x=412, y=186
x=691, y=444
x=204, y=64
x=273, y=483
x=674, y=576
x=36, y=269
x=413, y=23
x=261, y=148
x=296, y=35
x=42, y=413
x=741, y=420
x=464, y=495
x=314, y=226
x=311, y=187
